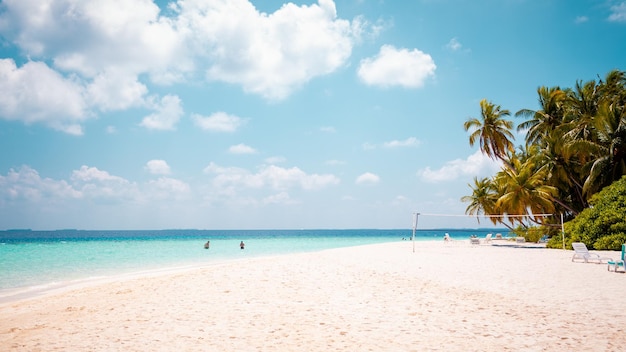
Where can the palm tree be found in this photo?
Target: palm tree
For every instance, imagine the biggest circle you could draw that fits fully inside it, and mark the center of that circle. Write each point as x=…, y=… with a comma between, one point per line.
x=543, y=121
x=614, y=87
x=582, y=107
x=610, y=162
x=483, y=199
x=556, y=158
x=526, y=192
x=492, y=131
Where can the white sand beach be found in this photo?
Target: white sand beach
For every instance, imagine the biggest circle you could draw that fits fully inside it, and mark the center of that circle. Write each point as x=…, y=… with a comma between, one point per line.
x=442, y=297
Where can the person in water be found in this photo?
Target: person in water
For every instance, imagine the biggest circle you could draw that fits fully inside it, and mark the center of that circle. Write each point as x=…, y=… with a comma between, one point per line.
x=207, y=244
x=242, y=245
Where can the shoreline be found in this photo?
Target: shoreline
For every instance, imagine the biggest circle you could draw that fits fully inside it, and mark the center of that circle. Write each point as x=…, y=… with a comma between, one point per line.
x=382, y=297
x=10, y=295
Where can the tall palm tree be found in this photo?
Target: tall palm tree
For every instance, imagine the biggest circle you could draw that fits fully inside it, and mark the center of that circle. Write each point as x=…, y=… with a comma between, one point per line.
x=492, y=131
x=613, y=87
x=556, y=158
x=610, y=162
x=543, y=121
x=581, y=109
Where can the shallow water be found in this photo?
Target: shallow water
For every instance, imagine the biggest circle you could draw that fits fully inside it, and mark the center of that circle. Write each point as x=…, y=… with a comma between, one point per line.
x=48, y=258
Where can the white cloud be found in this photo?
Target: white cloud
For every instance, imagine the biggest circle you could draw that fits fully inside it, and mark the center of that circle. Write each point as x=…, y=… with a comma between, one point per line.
x=26, y=184
x=86, y=184
x=114, y=90
x=89, y=174
x=35, y=93
x=328, y=129
x=454, y=45
x=242, y=149
x=168, y=112
x=124, y=42
x=618, y=13
x=367, y=178
x=97, y=184
x=218, y=122
x=397, y=67
x=267, y=54
x=273, y=177
x=409, y=142
x=158, y=167
x=128, y=35
x=475, y=164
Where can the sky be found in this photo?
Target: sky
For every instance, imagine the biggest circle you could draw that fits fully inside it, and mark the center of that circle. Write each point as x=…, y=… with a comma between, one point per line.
x=264, y=114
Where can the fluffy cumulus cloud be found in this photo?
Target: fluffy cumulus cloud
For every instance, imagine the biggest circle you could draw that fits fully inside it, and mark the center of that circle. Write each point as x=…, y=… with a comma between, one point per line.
x=167, y=112
x=271, y=176
x=367, y=178
x=114, y=90
x=87, y=185
x=397, y=67
x=218, y=122
x=158, y=167
x=25, y=184
x=99, y=184
x=92, y=55
x=475, y=164
x=36, y=93
x=267, y=54
x=90, y=186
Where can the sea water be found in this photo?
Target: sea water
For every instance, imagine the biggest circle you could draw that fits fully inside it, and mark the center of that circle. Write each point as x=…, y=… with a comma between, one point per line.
x=40, y=260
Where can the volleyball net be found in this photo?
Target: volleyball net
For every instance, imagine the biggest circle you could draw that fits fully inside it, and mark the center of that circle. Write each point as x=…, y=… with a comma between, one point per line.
x=511, y=219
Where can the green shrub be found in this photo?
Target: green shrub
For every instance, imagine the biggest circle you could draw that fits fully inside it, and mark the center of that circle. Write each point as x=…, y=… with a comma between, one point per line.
x=611, y=242
x=603, y=224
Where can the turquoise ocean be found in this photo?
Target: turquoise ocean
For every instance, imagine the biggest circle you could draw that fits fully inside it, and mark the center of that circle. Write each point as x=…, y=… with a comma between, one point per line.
x=37, y=261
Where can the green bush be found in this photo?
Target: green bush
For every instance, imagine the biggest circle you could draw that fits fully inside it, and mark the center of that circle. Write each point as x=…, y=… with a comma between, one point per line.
x=613, y=242
x=603, y=224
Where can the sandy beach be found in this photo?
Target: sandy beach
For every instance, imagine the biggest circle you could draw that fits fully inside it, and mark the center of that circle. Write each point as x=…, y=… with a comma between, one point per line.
x=386, y=297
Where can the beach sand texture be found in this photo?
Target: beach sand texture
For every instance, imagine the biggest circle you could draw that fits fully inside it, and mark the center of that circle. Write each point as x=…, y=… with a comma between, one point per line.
x=452, y=297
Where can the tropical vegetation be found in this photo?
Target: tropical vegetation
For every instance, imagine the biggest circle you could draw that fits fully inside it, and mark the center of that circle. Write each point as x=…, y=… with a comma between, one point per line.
x=575, y=146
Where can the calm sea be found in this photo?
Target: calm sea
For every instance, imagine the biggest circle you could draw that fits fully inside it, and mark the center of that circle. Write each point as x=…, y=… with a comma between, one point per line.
x=36, y=261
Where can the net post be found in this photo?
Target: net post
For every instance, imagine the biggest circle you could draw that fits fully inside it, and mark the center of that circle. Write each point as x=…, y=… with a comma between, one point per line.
x=415, y=216
x=562, y=231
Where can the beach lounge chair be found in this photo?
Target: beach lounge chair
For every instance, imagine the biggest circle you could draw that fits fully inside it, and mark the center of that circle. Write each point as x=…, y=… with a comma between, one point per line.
x=474, y=240
x=581, y=252
x=487, y=238
x=617, y=263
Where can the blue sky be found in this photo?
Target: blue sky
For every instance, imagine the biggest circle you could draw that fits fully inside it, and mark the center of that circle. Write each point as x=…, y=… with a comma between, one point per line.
x=237, y=114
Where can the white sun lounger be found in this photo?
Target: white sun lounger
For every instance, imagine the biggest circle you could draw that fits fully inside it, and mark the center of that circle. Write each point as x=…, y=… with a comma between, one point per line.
x=581, y=252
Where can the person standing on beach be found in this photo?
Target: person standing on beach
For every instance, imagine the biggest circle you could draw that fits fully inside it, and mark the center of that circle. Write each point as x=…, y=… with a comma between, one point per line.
x=242, y=245
x=207, y=244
